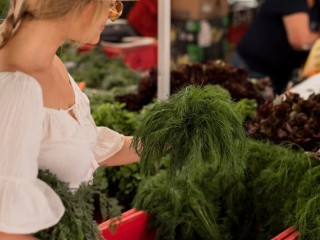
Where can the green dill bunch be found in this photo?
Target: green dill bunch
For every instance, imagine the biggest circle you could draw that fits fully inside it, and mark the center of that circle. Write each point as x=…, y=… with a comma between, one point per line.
x=179, y=209
x=196, y=125
x=307, y=212
x=204, y=205
x=77, y=222
x=274, y=174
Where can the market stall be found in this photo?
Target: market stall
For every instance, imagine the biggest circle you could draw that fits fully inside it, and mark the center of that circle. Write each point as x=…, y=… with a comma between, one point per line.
x=221, y=156
x=234, y=193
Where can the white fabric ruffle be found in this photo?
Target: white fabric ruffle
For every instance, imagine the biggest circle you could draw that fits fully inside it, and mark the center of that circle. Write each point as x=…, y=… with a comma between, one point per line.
x=109, y=143
x=28, y=207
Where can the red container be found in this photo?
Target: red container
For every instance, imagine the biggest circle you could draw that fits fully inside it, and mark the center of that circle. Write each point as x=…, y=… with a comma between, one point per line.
x=132, y=226
x=288, y=234
x=137, y=55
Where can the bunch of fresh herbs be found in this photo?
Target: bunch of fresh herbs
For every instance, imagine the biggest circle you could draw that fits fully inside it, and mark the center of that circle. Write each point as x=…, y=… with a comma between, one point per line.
x=77, y=221
x=202, y=136
x=195, y=125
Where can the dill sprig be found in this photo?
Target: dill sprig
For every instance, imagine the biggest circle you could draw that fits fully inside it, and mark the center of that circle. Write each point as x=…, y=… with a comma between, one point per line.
x=77, y=222
x=197, y=125
x=201, y=134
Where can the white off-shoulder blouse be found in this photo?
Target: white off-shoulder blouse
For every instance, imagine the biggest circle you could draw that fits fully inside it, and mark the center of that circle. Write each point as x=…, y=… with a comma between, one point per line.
x=34, y=137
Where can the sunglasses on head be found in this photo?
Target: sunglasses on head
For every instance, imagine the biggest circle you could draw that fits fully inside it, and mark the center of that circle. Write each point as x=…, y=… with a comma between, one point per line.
x=116, y=10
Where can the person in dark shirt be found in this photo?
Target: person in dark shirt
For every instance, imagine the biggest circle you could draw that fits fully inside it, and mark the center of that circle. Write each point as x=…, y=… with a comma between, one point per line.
x=278, y=40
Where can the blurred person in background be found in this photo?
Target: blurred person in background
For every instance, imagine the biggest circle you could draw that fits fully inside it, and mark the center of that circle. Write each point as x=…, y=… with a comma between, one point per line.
x=278, y=40
x=143, y=17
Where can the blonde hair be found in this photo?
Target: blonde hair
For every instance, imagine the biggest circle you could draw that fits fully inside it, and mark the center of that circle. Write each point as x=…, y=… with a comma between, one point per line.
x=42, y=9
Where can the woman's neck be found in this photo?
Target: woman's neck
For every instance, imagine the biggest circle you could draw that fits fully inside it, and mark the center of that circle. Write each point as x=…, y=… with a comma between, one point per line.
x=34, y=45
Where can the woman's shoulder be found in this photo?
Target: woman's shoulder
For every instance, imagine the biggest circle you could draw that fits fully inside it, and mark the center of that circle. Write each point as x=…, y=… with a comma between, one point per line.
x=17, y=85
x=18, y=78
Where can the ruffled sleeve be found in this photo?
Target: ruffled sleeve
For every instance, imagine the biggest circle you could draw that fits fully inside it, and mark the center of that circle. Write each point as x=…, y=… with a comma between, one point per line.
x=108, y=144
x=27, y=205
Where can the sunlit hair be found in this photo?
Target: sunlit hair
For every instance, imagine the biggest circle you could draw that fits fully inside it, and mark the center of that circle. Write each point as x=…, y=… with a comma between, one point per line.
x=43, y=9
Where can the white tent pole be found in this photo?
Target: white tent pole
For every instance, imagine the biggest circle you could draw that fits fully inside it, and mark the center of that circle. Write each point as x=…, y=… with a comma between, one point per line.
x=164, y=48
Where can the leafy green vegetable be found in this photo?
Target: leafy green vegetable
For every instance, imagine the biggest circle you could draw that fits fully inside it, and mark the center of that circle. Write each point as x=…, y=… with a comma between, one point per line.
x=96, y=69
x=213, y=73
x=123, y=183
x=106, y=206
x=247, y=108
x=77, y=221
x=172, y=213
x=3, y=8
x=280, y=188
x=290, y=119
x=123, y=180
x=307, y=217
x=202, y=136
x=115, y=117
x=282, y=184
x=202, y=206
x=195, y=125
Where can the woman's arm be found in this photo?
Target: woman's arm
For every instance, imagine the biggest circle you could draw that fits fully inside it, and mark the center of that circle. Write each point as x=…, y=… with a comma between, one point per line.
x=8, y=236
x=298, y=31
x=126, y=155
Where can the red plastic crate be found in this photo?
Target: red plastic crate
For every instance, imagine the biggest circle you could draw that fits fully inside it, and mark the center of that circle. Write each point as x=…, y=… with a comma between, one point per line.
x=132, y=226
x=288, y=234
x=135, y=56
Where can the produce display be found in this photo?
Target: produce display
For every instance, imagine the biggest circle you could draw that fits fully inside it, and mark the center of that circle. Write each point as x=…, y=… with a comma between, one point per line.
x=116, y=117
x=202, y=135
x=201, y=174
x=96, y=70
x=77, y=221
x=197, y=125
x=289, y=119
x=276, y=178
x=219, y=185
x=124, y=180
x=215, y=72
x=207, y=187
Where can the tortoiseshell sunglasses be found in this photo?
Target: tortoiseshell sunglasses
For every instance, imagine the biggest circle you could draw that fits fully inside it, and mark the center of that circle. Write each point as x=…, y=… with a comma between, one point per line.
x=116, y=10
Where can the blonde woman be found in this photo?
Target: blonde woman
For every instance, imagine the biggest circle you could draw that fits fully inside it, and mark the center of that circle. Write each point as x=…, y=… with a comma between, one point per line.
x=45, y=119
